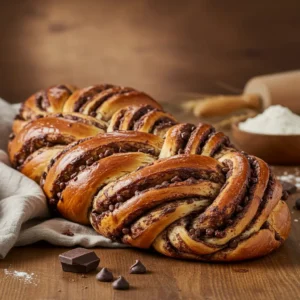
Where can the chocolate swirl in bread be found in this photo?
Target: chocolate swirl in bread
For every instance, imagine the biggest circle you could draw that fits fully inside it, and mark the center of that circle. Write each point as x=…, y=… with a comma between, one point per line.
x=111, y=157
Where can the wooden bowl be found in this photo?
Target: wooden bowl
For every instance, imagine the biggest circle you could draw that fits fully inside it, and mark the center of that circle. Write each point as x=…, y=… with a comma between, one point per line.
x=274, y=149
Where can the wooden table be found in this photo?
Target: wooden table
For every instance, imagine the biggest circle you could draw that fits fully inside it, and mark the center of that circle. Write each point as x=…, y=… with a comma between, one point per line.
x=276, y=276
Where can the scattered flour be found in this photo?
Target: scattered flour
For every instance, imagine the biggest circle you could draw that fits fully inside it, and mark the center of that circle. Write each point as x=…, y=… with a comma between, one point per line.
x=275, y=120
x=28, y=278
x=291, y=178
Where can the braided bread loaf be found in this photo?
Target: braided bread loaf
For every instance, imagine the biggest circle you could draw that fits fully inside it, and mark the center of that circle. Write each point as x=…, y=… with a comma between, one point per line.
x=111, y=157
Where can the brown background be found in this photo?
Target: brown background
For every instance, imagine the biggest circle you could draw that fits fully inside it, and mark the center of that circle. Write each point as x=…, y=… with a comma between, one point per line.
x=161, y=47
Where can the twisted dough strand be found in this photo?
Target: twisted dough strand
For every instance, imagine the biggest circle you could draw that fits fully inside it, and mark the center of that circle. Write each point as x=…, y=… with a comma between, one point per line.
x=110, y=157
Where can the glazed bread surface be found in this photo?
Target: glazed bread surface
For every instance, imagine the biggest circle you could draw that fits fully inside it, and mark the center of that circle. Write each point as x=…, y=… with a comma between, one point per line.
x=109, y=156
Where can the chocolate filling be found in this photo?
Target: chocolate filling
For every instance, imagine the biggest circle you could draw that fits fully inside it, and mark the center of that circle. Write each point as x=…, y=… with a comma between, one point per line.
x=88, y=95
x=154, y=181
x=83, y=120
x=36, y=143
x=89, y=158
x=185, y=133
x=101, y=100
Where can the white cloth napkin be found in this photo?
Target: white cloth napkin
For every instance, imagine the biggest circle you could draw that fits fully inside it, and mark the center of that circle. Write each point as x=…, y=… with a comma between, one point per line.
x=24, y=216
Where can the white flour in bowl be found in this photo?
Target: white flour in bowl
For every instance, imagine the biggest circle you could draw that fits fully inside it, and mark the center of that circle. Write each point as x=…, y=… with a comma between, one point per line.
x=275, y=120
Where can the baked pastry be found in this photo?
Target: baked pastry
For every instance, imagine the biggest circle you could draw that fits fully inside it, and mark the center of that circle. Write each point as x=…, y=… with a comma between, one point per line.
x=111, y=157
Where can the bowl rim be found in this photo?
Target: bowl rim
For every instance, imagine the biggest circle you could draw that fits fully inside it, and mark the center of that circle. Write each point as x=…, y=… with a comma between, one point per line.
x=234, y=126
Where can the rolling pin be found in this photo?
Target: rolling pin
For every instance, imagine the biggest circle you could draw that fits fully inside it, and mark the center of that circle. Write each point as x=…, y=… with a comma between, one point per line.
x=259, y=93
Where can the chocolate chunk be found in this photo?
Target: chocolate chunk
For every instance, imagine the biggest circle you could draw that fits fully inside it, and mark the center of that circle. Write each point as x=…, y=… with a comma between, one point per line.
x=289, y=187
x=137, y=268
x=120, y=284
x=284, y=195
x=297, y=204
x=79, y=260
x=105, y=275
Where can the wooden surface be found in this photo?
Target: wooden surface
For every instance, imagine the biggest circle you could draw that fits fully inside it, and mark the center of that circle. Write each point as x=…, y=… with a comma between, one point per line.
x=273, y=277
x=276, y=276
x=156, y=46
x=164, y=48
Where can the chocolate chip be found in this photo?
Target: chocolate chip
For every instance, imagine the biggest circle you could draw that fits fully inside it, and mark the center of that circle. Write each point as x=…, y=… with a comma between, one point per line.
x=176, y=179
x=120, y=198
x=254, y=180
x=233, y=243
x=125, y=230
x=297, y=204
x=52, y=201
x=289, y=187
x=239, y=208
x=120, y=284
x=209, y=232
x=137, y=268
x=108, y=152
x=225, y=170
x=90, y=161
x=165, y=183
x=219, y=234
x=81, y=168
x=198, y=232
x=192, y=231
x=191, y=180
x=101, y=155
x=136, y=193
x=111, y=207
x=105, y=275
x=284, y=195
x=229, y=222
x=73, y=175
x=184, y=135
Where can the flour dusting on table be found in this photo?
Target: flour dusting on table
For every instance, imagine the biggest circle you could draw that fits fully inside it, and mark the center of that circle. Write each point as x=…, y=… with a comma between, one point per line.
x=27, y=278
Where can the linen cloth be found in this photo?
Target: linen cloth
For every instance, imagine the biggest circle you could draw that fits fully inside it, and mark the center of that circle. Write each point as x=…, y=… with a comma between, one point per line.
x=24, y=215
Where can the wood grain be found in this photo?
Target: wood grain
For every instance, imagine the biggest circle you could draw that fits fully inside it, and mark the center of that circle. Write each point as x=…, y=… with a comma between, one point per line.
x=156, y=46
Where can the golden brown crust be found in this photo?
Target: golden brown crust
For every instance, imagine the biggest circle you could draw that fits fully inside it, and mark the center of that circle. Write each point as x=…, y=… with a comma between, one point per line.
x=149, y=182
